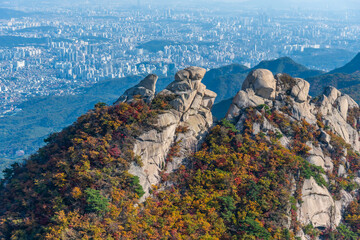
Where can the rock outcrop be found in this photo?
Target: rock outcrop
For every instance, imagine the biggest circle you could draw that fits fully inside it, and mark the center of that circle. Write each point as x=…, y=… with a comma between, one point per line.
x=318, y=207
x=262, y=82
x=183, y=126
x=290, y=96
x=146, y=89
x=332, y=105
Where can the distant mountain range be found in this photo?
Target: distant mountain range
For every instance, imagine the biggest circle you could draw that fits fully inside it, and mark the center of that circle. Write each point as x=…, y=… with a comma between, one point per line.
x=351, y=67
x=322, y=58
x=225, y=81
x=338, y=80
x=6, y=13
x=289, y=66
x=346, y=77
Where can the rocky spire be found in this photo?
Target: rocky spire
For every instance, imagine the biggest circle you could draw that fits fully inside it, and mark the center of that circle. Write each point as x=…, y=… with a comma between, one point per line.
x=191, y=113
x=145, y=89
x=262, y=82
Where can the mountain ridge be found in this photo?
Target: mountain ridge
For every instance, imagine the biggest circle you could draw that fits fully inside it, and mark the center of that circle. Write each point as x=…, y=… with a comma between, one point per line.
x=64, y=110
x=289, y=66
x=349, y=68
x=155, y=165
x=224, y=80
x=343, y=78
x=7, y=13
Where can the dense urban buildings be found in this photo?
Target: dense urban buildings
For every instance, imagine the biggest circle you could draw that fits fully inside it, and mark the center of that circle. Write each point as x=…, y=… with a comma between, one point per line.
x=58, y=52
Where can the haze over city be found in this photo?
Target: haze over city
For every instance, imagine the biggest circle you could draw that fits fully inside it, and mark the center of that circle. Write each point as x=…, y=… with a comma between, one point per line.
x=215, y=4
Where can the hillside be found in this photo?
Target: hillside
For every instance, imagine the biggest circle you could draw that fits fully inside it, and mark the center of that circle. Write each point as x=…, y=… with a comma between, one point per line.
x=289, y=66
x=6, y=13
x=44, y=115
x=220, y=109
x=353, y=91
x=345, y=78
x=224, y=80
x=351, y=67
x=280, y=166
x=155, y=45
x=323, y=58
x=338, y=80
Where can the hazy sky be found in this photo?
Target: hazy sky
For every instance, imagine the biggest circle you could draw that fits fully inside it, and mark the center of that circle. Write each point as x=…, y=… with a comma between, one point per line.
x=330, y=4
x=320, y=4
x=275, y=4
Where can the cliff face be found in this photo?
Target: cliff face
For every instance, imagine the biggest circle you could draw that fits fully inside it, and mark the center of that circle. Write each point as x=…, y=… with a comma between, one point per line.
x=154, y=165
x=329, y=114
x=184, y=125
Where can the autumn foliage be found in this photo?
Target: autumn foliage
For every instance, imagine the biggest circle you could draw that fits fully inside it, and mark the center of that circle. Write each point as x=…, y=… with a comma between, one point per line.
x=238, y=186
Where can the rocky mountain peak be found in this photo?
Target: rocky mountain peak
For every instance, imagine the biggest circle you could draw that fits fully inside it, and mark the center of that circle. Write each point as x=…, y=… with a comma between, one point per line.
x=263, y=83
x=282, y=165
x=146, y=89
x=190, y=112
x=296, y=87
x=330, y=113
x=190, y=73
x=282, y=94
x=149, y=82
x=289, y=66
